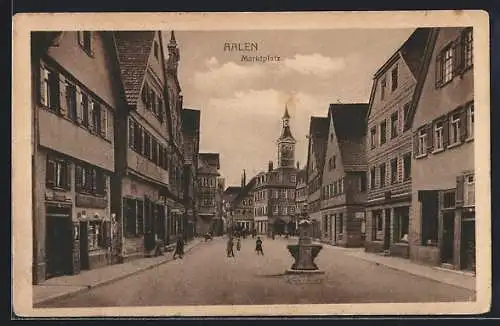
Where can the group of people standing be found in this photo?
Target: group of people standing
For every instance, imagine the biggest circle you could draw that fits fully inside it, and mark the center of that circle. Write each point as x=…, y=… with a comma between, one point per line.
x=230, y=246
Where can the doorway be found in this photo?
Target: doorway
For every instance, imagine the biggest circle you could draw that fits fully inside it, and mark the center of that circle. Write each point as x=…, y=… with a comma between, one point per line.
x=468, y=245
x=447, y=237
x=387, y=229
x=59, y=241
x=84, y=245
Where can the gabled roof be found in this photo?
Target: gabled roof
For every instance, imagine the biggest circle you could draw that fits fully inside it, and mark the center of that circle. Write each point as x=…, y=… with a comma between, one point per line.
x=318, y=135
x=134, y=48
x=245, y=190
x=429, y=48
x=411, y=51
x=349, y=120
x=190, y=120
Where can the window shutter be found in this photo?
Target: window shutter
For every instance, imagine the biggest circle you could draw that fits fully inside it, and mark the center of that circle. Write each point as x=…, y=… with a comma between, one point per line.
x=50, y=173
x=104, y=122
x=78, y=177
x=446, y=131
x=91, y=115
x=430, y=137
x=63, y=103
x=415, y=144
x=458, y=54
x=463, y=124
x=44, y=76
x=67, y=167
x=439, y=70
x=79, y=105
x=459, y=194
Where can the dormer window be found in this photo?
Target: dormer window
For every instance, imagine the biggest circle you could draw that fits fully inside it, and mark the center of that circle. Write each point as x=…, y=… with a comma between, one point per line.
x=85, y=41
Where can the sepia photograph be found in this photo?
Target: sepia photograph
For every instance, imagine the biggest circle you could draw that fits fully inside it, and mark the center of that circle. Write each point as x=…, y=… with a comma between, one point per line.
x=251, y=164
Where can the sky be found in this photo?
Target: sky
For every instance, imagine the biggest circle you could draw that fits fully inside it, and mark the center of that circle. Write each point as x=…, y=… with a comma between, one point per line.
x=242, y=102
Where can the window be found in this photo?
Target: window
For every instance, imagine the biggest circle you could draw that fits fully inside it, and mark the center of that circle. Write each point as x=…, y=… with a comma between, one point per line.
x=377, y=221
x=383, y=85
x=469, y=193
x=372, y=178
x=341, y=185
x=438, y=136
x=373, y=137
x=275, y=210
x=58, y=174
x=394, y=170
x=406, y=166
x=131, y=133
x=95, y=117
x=394, y=79
x=293, y=178
x=90, y=179
x=449, y=199
x=470, y=121
x=49, y=89
x=455, y=129
x=444, y=69
x=139, y=135
x=406, y=110
x=401, y=223
x=84, y=109
x=467, y=40
x=362, y=182
x=85, y=41
x=382, y=174
x=156, y=51
x=147, y=145
x=394, y=124
x=130, y=211
x=154, y=151
x=94, y=235
x=71, y=101
x=383, y=132
x=422, y=142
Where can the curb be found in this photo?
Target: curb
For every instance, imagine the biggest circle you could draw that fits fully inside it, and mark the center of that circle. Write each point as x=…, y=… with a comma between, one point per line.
x=108, y=281
x=346, y=250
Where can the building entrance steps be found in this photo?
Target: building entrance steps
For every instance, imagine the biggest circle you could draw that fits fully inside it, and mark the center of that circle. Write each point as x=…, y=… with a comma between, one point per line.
x=58, y=287
x=437, y=273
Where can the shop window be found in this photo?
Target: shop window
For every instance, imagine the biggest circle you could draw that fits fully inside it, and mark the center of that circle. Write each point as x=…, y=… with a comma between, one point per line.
x=96, y=235
x=401, y=224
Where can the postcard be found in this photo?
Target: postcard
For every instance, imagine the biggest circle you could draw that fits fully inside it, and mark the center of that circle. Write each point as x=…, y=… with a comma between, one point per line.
x=251, y=164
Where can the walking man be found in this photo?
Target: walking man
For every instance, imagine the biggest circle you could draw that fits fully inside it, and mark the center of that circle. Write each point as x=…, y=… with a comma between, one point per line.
x=179, y=247
x=238, y=244
x=230, y=245
x=258, y=247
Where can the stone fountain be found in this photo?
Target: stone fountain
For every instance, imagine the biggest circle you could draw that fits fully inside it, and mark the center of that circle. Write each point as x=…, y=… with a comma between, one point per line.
x=304, y=252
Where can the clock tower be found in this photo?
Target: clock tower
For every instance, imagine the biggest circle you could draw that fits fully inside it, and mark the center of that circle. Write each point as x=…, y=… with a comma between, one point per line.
x=286, y=143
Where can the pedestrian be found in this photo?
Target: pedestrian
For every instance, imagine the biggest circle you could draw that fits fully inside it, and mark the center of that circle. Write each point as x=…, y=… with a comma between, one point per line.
x=238, y=244
x=230, y=245
x=179, y=247
x=258, y=247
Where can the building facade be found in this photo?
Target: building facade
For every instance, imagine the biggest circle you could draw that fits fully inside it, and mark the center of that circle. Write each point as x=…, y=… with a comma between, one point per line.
x=74, y=99
x=228, y=197
x=442, y=228
x=389, y=147
x=191, y=137
x=142, y=144
x=243, y=203
x=208, y=172
x=274, y=193
x=344, y=176
x=318, y=134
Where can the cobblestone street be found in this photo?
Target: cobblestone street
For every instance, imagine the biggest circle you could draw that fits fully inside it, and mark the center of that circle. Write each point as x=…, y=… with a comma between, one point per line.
x=207, y=277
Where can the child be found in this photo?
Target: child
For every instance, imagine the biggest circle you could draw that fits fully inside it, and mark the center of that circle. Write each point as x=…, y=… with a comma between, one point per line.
x=258, y=246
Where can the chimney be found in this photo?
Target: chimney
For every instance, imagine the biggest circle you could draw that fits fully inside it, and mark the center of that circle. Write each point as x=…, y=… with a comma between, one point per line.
x=270, y=166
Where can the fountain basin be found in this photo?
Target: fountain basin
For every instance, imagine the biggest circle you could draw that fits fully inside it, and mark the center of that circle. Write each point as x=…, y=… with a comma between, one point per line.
x=304, y=255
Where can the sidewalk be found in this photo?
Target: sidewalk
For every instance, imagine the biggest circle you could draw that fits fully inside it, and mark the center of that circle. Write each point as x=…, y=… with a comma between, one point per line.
x=58, y=287
x=456, y=278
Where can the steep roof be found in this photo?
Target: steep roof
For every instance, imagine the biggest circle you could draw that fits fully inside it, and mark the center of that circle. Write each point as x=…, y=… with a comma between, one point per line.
x=429, y=48
x=245, y=190
x=318, y=134
x=134, y=48
x=190, y=120
x=349, y=119
x=412, y=51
